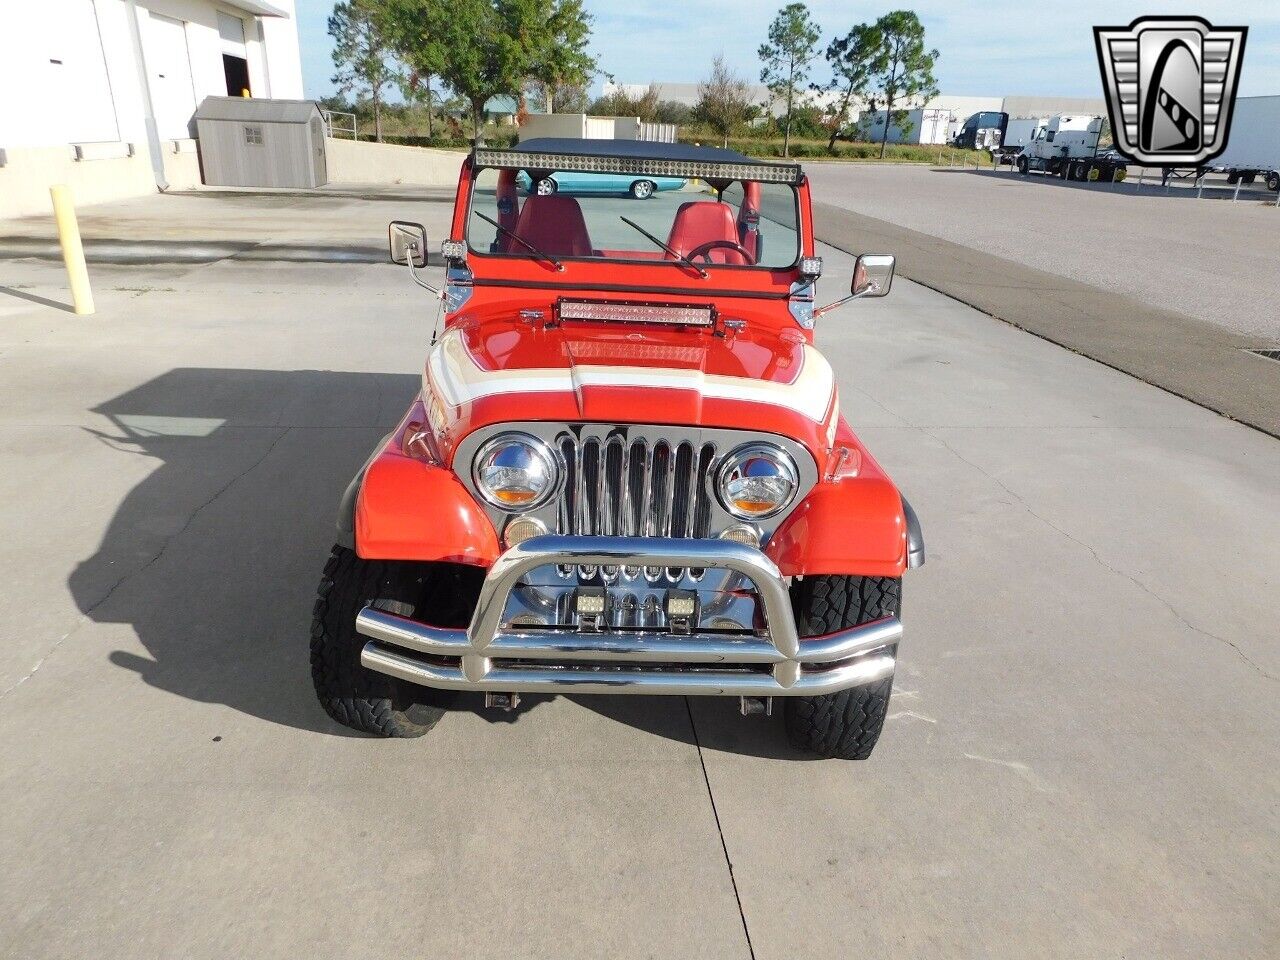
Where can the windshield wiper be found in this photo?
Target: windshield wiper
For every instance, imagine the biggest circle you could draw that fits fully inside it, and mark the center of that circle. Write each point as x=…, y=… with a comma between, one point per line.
x=522, y=241
x=675, y=253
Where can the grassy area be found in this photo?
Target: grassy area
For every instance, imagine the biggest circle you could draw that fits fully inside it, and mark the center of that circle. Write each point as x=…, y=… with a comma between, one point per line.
x=408, y=126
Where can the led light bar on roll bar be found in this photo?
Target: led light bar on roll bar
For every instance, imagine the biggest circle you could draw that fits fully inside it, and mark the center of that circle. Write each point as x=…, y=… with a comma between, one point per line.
x=611, y=311
x=688, y=169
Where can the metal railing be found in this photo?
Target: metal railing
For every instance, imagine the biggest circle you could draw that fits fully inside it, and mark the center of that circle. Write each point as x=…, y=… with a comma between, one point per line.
x=332, y=129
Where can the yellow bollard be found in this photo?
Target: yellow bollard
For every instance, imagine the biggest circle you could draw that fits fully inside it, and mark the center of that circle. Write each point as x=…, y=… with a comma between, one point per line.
x=64, y=212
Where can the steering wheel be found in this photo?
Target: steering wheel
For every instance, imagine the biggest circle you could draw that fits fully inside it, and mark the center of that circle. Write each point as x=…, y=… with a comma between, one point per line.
x=703, y=249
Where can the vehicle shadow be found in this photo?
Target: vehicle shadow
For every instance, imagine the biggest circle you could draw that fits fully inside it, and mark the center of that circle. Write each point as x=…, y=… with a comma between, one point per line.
x=213, y=557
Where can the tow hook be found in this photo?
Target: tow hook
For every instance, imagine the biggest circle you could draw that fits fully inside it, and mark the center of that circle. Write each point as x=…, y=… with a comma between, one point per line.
x=502, y=701
x=755, y=706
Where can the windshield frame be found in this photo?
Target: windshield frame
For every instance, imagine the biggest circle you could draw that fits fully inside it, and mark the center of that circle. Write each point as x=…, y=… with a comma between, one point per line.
x=525, y=256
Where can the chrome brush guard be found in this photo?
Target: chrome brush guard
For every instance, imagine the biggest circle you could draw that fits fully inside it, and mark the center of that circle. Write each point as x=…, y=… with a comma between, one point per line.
x=766, y=662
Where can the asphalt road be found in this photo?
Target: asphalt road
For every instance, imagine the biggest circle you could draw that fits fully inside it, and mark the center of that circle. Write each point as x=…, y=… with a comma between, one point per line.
x=1209, y=258
x=1081, y=758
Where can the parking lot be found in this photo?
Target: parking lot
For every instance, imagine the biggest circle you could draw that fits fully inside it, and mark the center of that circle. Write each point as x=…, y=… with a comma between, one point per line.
x=1081, y=754
x=1207, y=258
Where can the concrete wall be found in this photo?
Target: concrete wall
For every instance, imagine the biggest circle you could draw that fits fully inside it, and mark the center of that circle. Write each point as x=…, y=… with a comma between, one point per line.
x=553, y=125
x=366, y=162
x=28, y=172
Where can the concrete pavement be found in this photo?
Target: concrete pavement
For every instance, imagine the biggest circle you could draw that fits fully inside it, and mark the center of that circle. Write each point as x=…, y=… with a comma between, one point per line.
x=1081, y=756
x=1039, y=280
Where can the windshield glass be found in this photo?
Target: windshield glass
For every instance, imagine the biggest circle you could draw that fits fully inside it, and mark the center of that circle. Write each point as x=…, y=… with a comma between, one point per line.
x=603, y=216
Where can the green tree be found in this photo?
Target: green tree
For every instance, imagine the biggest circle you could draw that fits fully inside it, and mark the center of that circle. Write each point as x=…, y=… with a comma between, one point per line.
x=479, y=48
x=362, y=53
x=854, y=59
x=416, y=88
x=903, y=71
x=723, y=99
x=619, y=103
x=792, y=46
x=559, y=52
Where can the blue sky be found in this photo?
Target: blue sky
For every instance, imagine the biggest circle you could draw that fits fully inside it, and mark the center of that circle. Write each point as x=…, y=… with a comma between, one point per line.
x=992, y=48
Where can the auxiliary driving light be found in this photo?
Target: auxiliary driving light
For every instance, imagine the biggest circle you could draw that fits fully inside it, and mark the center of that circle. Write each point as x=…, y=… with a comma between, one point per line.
x=520, y=529
x=811, y=267
x=744, y=534
x=681, y=604
x=589, y=601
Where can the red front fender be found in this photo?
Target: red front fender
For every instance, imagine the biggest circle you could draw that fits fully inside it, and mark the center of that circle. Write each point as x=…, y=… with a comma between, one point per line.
x=409, y=509
x=853, y=526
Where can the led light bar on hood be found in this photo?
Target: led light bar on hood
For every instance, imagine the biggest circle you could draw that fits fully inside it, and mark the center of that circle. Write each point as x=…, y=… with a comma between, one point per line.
x=615, y=312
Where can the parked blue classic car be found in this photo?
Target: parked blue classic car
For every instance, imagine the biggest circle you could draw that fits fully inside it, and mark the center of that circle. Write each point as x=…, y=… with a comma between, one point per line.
x=582, y=183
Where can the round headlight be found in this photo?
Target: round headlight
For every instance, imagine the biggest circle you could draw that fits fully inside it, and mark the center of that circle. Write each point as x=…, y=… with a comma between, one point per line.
x=756, y=481
x=515, y=472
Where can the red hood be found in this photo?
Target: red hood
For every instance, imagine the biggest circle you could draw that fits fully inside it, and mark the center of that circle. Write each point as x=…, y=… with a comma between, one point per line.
x=504, y=371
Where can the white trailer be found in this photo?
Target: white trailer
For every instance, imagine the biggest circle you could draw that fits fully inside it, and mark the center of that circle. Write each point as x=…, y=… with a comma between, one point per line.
x=1018, y=132
x=1253, y=144
x=1067, y=147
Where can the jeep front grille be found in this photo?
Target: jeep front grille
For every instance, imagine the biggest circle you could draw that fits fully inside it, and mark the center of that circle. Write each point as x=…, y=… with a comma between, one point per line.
x=621, y=487
x=633, y=487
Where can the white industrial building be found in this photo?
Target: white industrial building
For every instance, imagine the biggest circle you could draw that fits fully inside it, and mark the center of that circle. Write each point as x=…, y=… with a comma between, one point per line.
x=938, y=120
x=101, y=93
x=935, y=121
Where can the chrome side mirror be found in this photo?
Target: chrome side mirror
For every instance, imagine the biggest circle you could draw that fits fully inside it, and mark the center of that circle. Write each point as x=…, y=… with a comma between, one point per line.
x=408, y=244
x=872, y=277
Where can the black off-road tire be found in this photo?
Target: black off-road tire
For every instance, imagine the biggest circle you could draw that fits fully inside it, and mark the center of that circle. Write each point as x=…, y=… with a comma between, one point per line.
x=351, y=694
x=847, y=724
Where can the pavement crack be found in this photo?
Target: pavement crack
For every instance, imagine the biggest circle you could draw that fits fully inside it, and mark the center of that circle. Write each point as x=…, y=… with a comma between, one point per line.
x=1103, y=563
x=697, y=742
x=168, y=541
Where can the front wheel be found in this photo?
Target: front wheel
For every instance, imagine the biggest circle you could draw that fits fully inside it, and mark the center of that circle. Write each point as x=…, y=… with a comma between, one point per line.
x=545, y=187
x=1273, y=181
x=353, y=695
x=642, y=189
x=847, y=724
x=1023, y=166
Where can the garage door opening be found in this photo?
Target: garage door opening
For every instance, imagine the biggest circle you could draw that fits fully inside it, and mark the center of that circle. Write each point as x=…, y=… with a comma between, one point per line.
x=237, y=73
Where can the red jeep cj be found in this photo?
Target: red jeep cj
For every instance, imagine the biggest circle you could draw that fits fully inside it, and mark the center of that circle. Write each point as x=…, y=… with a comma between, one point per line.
x=627, y=472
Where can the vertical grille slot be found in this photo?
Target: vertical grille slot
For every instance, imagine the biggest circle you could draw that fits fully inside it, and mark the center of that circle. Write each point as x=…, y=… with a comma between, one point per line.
x=620, y=486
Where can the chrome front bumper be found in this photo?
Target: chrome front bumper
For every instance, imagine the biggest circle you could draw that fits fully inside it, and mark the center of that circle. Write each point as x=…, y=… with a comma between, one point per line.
x=486, y=657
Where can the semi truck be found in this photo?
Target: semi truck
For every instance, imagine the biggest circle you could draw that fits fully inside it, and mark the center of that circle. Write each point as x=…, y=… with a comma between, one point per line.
x=984, y=130
x=1067, y=147
x=1253, y=143
x=1018, y=132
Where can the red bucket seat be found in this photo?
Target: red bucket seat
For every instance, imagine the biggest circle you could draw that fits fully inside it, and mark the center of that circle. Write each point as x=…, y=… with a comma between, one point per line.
x=703, y=221
x=554, y=225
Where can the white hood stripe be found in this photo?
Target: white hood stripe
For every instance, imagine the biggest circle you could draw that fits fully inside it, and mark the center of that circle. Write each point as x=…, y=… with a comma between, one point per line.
x=460, y=380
